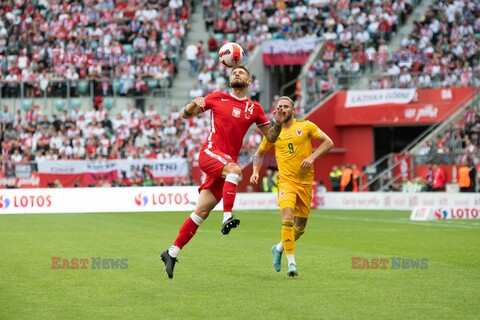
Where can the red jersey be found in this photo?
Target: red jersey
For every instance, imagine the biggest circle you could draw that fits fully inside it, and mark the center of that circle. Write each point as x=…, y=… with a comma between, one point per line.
x=230, y=119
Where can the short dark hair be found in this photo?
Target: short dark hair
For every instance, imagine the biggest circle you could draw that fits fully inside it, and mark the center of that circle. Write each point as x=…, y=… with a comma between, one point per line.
x=242, y=67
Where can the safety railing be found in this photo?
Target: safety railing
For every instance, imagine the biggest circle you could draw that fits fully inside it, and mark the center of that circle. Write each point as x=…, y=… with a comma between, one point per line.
x=58, y=94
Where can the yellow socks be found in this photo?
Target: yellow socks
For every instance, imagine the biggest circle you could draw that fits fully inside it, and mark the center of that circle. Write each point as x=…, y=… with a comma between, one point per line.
x=288, y=237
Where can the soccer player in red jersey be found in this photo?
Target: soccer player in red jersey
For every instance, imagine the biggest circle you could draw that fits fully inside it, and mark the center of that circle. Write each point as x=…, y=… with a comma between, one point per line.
x=232, y=114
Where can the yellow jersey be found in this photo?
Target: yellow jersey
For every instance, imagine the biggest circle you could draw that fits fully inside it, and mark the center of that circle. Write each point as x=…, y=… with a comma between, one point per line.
x=291, y=148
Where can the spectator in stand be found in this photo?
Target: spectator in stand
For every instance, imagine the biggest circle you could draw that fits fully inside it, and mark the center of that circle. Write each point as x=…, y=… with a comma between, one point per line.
x=5, y=117
x=321, y=187
x=346, y=180
x=428, y=176
x=255, y=89
x=196, y=91
x=335, y=176
x=191, y=53
x=439, y=178
x=212, y=43
x=267, y=181
x=467, y=176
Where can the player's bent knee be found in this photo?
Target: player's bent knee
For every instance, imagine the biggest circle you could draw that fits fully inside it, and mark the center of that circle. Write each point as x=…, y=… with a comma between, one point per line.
x=287, y=214
x=233, y=168
x=202, y=213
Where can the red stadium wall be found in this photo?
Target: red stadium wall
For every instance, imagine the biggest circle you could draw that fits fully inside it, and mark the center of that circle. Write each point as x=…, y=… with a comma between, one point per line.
x=353, y=144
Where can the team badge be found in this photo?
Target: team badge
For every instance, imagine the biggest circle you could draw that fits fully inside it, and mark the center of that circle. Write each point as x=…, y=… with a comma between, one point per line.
x=299, y=133
x=282, y=193
x=236, y=112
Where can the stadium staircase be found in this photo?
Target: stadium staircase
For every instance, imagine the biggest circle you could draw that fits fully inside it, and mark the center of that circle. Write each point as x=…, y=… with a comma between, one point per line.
x=396, y=42
x=378, y=175
x=183, y=81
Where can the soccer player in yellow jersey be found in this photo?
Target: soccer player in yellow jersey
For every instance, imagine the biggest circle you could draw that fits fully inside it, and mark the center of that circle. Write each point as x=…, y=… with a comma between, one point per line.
x=293, y=150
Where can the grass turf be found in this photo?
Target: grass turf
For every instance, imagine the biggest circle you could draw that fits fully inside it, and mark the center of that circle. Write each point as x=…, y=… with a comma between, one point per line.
x=231, y=277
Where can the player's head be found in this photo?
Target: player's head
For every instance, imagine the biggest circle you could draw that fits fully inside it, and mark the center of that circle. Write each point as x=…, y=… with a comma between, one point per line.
x=240, y=77
x=285, y=104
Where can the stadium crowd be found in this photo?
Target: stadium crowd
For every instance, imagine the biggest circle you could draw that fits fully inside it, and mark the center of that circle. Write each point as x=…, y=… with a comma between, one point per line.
x=449, y=36
x=94, y=135
x=43, y=42
x=441, y=50
x=458, y=144
x=348, y=28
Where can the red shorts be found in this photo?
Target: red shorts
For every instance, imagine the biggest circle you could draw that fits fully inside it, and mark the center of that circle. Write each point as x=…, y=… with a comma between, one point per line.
x=212, y=161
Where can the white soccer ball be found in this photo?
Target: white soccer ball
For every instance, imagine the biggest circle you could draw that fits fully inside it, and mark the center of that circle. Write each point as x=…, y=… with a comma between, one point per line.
x=231, y=54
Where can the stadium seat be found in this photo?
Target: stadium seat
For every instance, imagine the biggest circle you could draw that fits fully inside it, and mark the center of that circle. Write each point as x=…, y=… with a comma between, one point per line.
x=59, y=104
x=82, y=87
x=75, y=103
x=115, y=86
x=214, y=55
x=26, y=105
x=108, y=103
x=231, y=37
x=128, y=48
x=218, y=37
x=152, y=84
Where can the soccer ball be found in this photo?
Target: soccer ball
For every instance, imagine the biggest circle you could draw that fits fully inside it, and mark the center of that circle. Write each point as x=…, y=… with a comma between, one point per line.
x=231, y=54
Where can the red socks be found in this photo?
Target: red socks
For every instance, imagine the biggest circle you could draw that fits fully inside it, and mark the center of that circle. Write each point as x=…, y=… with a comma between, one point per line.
x=230, y=191
x=187, y=230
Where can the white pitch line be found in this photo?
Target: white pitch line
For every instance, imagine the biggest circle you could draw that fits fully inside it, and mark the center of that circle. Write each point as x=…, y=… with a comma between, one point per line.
x=415, y=223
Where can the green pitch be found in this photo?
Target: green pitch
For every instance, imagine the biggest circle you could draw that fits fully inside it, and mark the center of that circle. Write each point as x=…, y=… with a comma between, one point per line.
x=231, y=277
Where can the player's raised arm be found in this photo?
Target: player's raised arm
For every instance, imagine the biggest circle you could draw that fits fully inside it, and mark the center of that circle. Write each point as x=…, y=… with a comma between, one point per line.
x=272, y=133
x=193, y=108
x=324, y=147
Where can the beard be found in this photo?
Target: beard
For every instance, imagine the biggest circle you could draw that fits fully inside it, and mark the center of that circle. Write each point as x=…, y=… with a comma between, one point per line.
x=238, y=84
x=289, y=117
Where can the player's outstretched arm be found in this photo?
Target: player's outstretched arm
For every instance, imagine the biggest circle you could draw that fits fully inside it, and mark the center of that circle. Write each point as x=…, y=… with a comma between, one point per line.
x=193, y=108
x=326, y=145
x=257, y=163
x=272, y=133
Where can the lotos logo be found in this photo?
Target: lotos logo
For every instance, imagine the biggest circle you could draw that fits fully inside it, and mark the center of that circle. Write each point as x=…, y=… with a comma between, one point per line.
x=141, y=201
x=441, y=214
x=4, y=203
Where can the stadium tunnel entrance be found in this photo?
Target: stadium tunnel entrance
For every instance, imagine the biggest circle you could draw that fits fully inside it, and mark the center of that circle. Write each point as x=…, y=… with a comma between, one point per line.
x=394, y=139
x=283, y=80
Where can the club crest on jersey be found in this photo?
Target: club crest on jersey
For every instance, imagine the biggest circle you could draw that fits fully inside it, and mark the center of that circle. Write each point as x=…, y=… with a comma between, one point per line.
x=236, y=112
x=282, y=193
x=299, y=133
